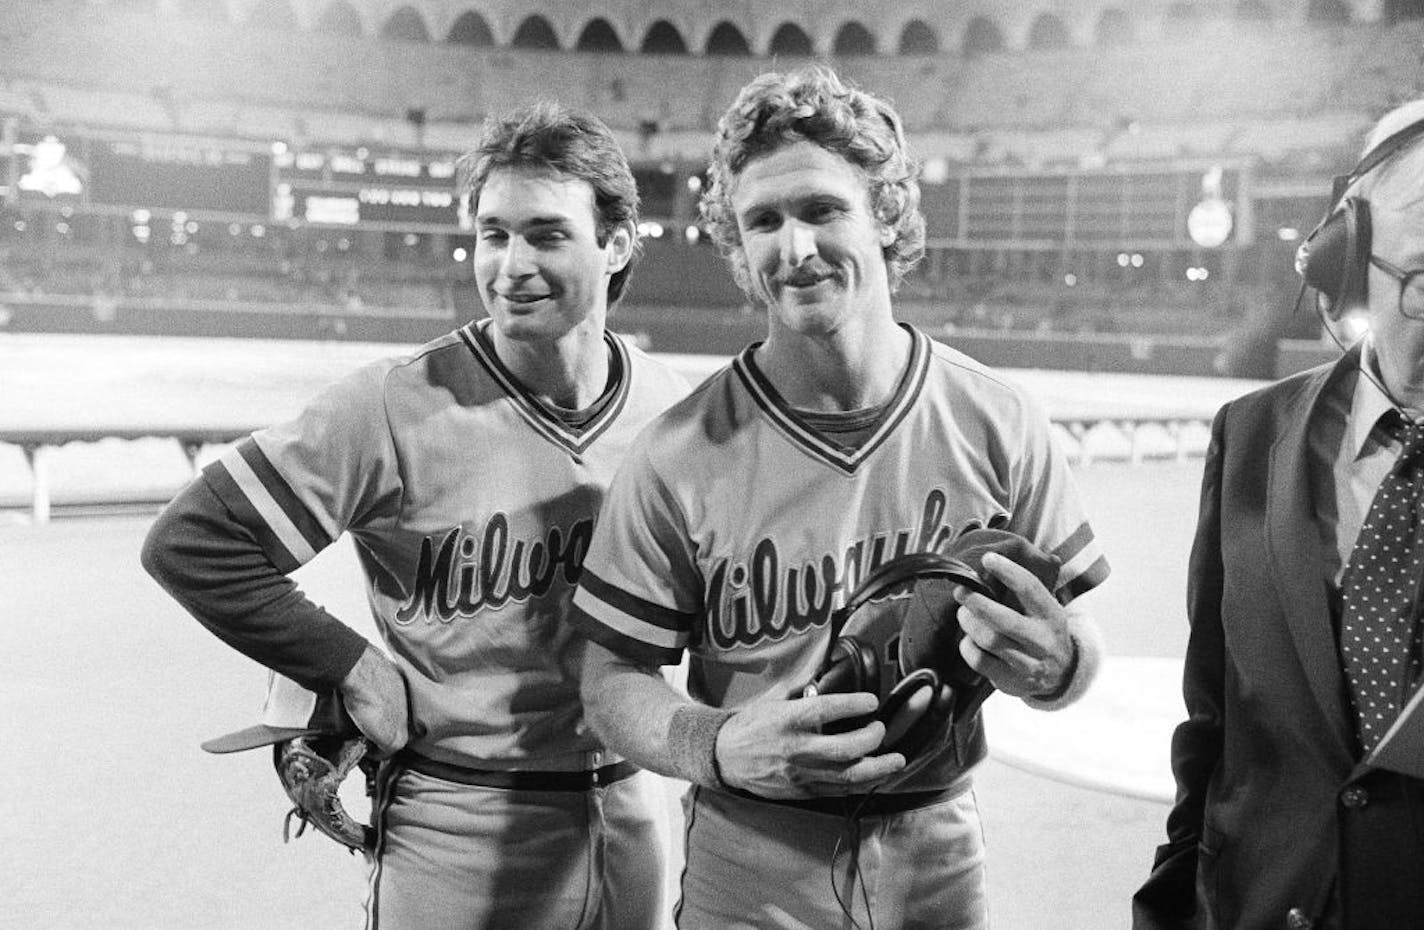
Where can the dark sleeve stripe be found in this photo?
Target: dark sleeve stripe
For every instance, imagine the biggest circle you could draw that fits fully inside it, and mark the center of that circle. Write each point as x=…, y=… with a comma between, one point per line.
x=1088, y=579
x=638, y=651
x=634, y=606
x=246, y=515
x=282, y=493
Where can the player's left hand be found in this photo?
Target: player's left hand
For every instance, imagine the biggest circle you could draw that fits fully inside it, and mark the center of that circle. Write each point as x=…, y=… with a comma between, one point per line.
x=1023, y=654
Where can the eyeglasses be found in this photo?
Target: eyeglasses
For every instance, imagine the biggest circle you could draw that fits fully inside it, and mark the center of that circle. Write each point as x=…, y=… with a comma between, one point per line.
x=1411, y=287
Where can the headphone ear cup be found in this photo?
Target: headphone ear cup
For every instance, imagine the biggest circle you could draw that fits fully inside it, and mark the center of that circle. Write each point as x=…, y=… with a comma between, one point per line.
x=851, y=666
x=1335, y=259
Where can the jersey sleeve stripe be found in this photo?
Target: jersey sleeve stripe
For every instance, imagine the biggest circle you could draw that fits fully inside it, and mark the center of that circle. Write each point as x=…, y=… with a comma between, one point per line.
x=1088, y=579
x=265, y=506
x=235, y=499
x=627, y=646
x=318, y=529
x=654, y=616
x=628, y=625
x=1083, y=565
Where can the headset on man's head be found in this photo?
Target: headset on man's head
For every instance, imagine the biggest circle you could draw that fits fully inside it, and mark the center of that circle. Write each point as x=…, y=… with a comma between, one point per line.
x=1335, y=258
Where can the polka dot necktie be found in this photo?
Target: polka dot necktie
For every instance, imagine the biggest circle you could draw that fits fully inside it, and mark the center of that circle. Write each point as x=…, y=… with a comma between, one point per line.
x=1378, y=638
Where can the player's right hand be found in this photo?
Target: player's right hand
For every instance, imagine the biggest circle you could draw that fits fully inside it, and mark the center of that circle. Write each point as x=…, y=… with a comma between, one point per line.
x=375, y=697
x=776, y=749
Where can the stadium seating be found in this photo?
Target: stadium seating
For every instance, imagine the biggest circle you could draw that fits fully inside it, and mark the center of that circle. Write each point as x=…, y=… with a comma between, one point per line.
x=1290, y=101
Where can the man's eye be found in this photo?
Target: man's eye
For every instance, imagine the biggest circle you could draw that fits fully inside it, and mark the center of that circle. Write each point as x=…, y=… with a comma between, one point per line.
x=492, y=235
x=762, y=221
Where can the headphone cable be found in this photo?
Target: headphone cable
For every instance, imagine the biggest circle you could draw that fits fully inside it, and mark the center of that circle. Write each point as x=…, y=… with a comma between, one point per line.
x=850, y=829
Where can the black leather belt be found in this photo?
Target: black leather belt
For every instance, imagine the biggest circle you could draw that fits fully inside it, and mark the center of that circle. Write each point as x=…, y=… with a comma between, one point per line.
x=517, y=780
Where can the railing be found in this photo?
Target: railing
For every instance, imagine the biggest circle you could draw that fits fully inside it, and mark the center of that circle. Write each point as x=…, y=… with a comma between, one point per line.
x=60, y=391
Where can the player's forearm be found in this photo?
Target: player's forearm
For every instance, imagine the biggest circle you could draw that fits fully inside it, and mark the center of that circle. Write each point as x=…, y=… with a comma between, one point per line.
x=213, y=567
x=643, y=718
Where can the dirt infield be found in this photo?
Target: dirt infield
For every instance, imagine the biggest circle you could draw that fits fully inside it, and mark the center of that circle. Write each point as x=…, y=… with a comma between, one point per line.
x=114, y=818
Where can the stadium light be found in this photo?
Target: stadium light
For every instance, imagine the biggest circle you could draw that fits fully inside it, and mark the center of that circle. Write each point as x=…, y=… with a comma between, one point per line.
x=1209, y=223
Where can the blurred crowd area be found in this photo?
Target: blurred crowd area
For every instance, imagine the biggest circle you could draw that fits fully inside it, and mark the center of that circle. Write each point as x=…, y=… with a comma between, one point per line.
x=99, y=260
x=1013, y=110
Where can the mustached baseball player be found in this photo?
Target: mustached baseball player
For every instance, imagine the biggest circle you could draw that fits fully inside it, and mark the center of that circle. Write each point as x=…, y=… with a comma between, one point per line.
x=469, y=475
x=748, y=512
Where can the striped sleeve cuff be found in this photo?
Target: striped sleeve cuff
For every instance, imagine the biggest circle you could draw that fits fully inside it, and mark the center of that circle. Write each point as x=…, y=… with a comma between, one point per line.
x=1083, y=565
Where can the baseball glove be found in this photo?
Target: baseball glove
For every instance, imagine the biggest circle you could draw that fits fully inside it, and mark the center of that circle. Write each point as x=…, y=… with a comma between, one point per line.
x=898, y=637
x=312, y=769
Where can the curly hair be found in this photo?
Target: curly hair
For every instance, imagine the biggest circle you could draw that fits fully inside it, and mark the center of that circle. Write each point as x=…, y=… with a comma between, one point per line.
x=815, y=105
x=548, y=136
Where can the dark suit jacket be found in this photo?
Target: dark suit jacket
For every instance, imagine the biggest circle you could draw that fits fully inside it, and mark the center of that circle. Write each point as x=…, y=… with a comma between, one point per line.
x=1275, y=826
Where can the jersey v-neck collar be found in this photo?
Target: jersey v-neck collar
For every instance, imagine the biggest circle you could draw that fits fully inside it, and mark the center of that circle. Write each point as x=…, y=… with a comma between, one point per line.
x=814, y=442
x=541, y=416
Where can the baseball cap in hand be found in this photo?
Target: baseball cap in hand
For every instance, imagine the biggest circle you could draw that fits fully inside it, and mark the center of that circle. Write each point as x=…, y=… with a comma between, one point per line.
x=290, y=711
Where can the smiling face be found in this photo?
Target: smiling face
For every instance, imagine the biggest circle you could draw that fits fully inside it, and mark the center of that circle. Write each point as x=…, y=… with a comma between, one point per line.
x=540, y=269
x=814, y=251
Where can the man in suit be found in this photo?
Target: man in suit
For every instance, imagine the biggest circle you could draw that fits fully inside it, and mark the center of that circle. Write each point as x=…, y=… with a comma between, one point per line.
x=1279, y=822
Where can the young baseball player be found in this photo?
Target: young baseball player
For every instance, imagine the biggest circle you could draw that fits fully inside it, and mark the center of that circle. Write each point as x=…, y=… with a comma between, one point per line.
x=469, y=474
x=748, y=511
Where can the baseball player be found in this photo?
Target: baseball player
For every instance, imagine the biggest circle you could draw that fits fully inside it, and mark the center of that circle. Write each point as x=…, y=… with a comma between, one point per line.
x=748, y=511
x=469, y=475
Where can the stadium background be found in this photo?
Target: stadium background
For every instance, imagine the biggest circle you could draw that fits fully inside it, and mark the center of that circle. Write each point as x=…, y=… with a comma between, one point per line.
x=1114, y=191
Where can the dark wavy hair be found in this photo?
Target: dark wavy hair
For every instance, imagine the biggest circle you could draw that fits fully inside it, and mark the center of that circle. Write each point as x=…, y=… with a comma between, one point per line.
x=815, y=105
x=548, y=136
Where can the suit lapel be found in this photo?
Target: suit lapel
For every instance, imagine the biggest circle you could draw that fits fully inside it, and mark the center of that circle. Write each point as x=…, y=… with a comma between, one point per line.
x=1296, y=554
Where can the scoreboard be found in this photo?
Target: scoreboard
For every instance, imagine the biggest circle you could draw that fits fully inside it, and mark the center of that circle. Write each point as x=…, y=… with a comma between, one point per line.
x=361, y=188
x=209, y=179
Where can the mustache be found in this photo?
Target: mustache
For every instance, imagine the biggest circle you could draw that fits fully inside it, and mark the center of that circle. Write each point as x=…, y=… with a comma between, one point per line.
x=806, y=274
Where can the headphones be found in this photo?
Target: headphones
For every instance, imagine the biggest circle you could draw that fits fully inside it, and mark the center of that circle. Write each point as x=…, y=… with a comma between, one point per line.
x=924, y=657
x=1334, y=259
x=853, y=665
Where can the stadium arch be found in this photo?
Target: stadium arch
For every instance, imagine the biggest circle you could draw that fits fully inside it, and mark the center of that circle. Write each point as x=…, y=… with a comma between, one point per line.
x=663, y=38
x=276, y=15
x=725, y=39
x=405, y=24
x=599, y=35
x=1048, y=33
x=918, y=37
x=854, y=39
x=1114, y=28
x=789, y=38
x=340, y=18
x=471, y=29
x=536, y=32
x=981, y=36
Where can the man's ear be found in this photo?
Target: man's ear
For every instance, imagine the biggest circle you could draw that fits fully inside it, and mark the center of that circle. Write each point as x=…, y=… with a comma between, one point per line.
x=887, y=235
x=619, y=248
